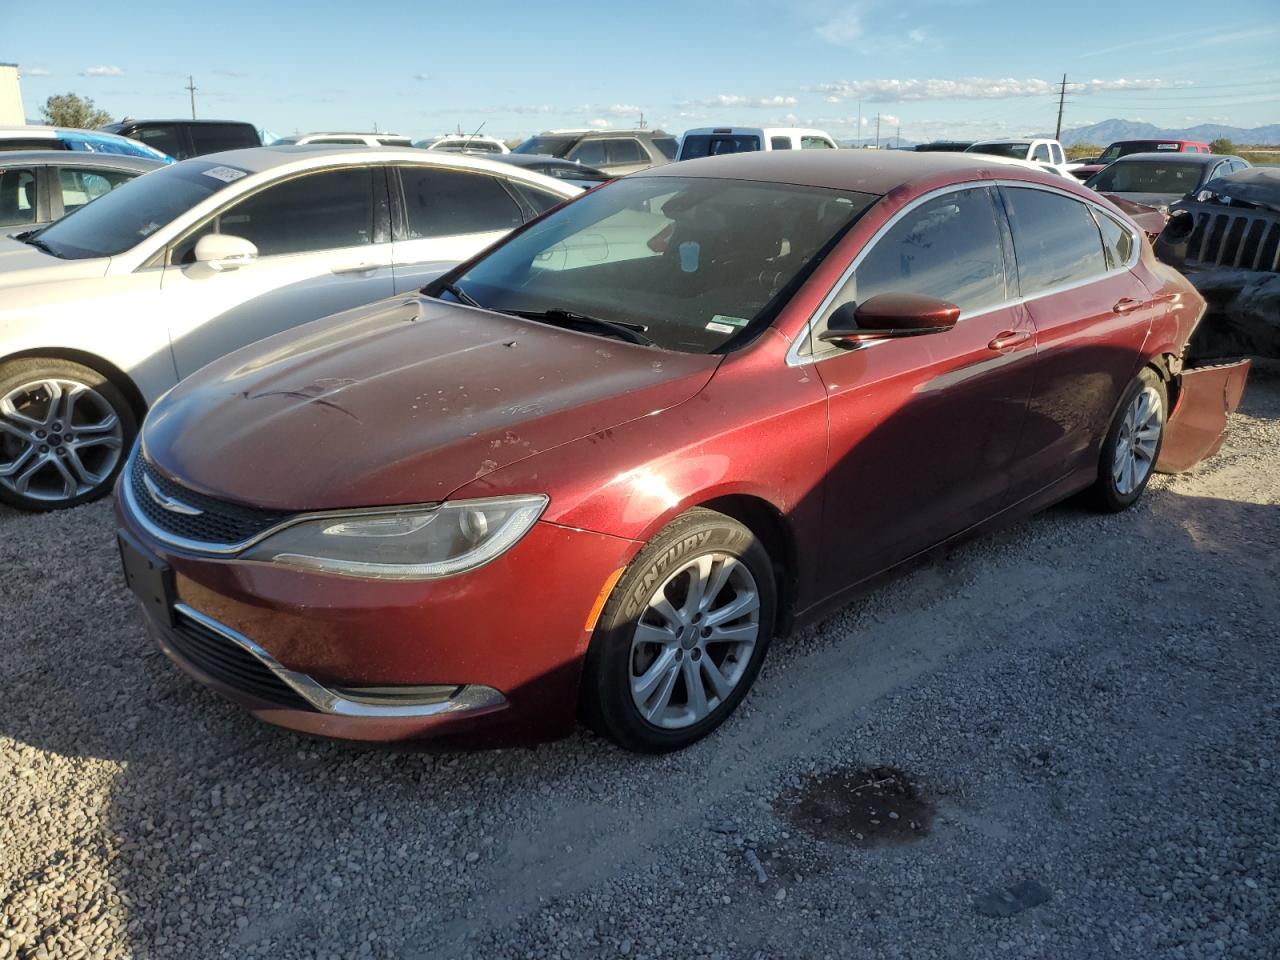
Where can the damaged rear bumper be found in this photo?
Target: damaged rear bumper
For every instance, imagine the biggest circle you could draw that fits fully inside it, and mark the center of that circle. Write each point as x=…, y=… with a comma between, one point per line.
x=1207, y=397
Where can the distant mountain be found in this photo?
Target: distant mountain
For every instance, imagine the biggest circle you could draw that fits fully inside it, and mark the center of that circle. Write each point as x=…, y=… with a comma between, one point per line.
x=1109, y=131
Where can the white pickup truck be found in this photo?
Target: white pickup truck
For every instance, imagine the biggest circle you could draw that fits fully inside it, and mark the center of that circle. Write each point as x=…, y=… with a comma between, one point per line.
x=1046, y=153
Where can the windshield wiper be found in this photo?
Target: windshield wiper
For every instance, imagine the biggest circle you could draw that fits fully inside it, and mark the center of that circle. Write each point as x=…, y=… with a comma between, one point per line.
x=631, y=332
x=459, y=294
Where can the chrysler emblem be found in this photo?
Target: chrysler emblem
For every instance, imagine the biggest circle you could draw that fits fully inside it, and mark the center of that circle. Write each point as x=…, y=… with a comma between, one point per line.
x=168, y=502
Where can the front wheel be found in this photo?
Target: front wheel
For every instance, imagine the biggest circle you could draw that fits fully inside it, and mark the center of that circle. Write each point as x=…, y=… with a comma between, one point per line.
x=682, y=636
x=1132, y=445
x=64, y=433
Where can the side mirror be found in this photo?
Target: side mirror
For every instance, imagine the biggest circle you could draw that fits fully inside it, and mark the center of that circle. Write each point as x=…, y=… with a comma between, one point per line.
x=889, y=315
x=222, y=251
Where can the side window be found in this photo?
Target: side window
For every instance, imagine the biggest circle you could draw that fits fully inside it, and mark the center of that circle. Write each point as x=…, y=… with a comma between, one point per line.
x=1041, y=153
x=948, y=248
x=344, y=140
x=1117, y=241
x=626, y=151
x=214, y=137
x=666, y=146
x=779, y=143
x=78, y=187
x=1055, y=239
x=165, y=139
x=814, y=143
x=319, y=211
x=17, y=196
x=1057, y=152
x=540, y=200
x=590, y=152
x=444, y=203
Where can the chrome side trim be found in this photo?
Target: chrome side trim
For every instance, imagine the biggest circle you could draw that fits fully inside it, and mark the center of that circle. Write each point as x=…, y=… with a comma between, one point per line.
x=794, y=359
x=470, y=697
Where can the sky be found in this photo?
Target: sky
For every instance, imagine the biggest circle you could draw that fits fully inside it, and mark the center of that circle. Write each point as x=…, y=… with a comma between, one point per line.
x=929, y=68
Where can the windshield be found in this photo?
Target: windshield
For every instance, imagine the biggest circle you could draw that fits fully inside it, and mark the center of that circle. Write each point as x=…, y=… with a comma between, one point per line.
x=119, y=220
x=714, y=144
x=694, y=263
x=1137, y=146
x=1148, y=176
x=1014, y=151
x=555, y=146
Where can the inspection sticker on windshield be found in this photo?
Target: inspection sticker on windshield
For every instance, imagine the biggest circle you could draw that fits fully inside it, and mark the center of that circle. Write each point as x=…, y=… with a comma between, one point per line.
x=731, y=321
x=720, y=327
x=225, y=174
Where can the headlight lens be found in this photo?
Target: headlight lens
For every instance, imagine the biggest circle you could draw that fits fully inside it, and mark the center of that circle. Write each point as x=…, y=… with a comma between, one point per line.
x=412, y=544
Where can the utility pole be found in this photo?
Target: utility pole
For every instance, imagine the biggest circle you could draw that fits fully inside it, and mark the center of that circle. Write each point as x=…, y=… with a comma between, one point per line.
x=877, y=129
x=1062, y=97
x=641, y=119
x=191, y=88
x=859, y=123
x=897, y=137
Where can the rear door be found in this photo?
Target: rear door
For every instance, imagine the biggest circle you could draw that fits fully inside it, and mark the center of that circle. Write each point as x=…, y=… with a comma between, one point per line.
x=443, y=216
x=923, y=429
x=323, y=242
x=1091, y=316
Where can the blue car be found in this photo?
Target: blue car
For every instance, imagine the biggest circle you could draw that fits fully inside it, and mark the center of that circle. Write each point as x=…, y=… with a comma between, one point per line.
x=67, y=138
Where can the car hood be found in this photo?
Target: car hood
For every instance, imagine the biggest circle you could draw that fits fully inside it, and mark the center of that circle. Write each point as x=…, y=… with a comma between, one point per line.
x=403, y=401
x=22, y=264
x=1157, y=201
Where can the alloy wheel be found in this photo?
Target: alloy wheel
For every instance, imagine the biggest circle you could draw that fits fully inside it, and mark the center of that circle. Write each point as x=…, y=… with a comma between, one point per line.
x=59, y=439
x=693, y=641
x=1137, y=441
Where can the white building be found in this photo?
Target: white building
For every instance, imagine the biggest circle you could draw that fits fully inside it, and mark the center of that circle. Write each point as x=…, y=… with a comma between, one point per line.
x=11, y=111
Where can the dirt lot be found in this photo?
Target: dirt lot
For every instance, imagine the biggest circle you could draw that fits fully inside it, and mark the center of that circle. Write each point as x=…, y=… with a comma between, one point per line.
x=1077, y=718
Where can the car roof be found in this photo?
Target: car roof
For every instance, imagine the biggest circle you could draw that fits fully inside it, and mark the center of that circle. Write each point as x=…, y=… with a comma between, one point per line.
x=255, y=160
x=79, y=158
x=982, y=143
x=129, y=121
x=1204, y=159
x=866, y=171
x=768, y=131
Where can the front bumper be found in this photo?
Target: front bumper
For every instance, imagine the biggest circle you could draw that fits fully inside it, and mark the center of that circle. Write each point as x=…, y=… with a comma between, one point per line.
x=499, y=649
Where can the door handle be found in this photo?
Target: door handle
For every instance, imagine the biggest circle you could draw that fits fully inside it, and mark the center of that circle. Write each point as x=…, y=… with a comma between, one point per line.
x=1127, y=305
x=355, y=268
x=1009, y=339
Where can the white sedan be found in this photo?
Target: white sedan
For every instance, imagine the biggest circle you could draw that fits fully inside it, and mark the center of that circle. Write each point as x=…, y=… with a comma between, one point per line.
x=105, y=310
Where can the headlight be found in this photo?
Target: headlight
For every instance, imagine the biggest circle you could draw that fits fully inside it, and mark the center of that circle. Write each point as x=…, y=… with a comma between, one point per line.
x=419, y=543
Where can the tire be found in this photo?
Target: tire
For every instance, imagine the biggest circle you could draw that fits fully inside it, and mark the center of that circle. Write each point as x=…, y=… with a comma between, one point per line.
x=634, y=643
x=43, y=464
x=1145, y=402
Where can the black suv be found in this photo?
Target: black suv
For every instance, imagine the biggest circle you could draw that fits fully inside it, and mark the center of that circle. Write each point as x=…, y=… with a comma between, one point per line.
x=616, y=152
x=181, y=139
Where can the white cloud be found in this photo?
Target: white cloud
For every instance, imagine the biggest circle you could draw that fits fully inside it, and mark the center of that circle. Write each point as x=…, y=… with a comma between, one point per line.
x=917, y=36
x=599, y=124
x=35, y=72
x=751, y=103
x=422, y=76
x=105, y=71
x=971, y=88
x=844, y=27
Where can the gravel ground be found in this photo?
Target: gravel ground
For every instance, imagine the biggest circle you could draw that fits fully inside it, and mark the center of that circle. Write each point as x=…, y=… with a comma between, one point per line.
x=1079, y=718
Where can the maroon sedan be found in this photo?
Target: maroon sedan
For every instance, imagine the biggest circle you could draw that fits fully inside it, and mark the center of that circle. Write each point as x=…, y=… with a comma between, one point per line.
x=596, y=470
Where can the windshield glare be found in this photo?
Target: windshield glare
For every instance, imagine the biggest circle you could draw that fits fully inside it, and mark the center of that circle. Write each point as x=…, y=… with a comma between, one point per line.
x=123, y=218
x=1014, y=151
x=697, y=262
x=555, y=146
x=1148, y=176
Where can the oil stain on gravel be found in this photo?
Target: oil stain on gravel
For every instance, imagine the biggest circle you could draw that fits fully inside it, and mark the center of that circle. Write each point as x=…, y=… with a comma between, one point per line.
x=864, y=807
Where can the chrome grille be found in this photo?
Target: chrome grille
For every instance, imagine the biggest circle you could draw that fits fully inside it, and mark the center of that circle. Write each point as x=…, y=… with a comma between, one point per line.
x=1238, y=239
x=217, y=523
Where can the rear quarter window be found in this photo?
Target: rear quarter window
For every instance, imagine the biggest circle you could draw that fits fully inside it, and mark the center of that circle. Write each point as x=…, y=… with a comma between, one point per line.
x=1055, y=239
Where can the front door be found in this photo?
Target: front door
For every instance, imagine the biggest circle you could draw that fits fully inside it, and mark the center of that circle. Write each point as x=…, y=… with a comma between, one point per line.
x=323, y=247
x=923, y=429
x=446, y=216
